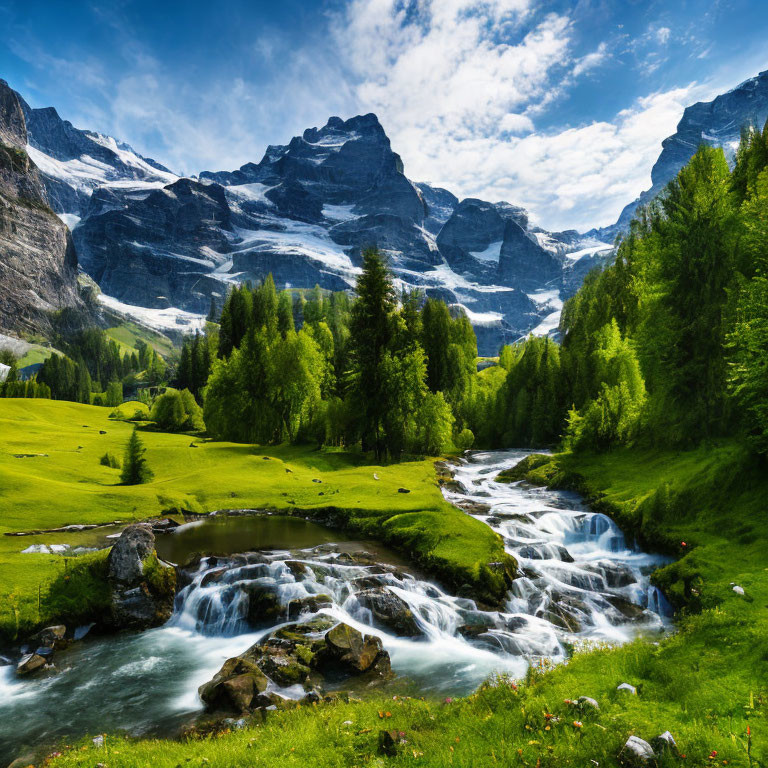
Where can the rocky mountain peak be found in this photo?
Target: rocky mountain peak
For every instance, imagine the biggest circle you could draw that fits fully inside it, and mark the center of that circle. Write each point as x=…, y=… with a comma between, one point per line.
x=13, y=129
x=716, y=123
x=38, y=265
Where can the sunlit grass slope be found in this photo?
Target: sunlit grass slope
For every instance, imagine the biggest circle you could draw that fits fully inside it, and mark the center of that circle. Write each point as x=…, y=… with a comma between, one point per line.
x=50, y=476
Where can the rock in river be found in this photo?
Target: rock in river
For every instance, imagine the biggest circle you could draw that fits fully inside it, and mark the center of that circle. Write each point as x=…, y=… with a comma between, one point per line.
x=306, y=654
x=389, y=611
x=143, y=587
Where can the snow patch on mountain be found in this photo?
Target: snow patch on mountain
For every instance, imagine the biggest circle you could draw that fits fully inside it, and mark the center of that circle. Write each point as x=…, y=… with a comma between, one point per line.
x=168, y=319
x=491, y=253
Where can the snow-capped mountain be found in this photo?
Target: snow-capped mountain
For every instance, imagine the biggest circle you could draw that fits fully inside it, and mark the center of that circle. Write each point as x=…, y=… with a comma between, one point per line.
x=305, y=213
x=74, y=163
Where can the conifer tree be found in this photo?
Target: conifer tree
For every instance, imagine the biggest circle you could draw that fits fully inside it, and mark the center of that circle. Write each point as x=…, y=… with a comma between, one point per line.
x=371, y=331
x=135, y=469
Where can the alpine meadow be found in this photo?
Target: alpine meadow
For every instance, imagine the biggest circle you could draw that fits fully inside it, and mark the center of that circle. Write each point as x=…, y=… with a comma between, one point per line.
x=307, y=463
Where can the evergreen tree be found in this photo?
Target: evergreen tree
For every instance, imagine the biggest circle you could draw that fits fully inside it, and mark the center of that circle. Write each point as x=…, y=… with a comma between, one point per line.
x=371, y=331
x=285, y=322
x=135, y=470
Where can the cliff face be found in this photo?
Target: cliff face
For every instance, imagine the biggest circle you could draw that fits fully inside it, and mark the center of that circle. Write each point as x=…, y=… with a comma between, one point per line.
x=38, y=264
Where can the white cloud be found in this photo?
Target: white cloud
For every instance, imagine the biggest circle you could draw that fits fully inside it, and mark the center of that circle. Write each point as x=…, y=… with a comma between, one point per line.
x=591, y=60
x=459, y=100
x=577, y=178
x=663, y=34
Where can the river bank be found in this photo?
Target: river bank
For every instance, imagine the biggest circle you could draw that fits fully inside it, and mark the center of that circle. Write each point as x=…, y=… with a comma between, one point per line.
x=441, y=645
x=51, y=476
x=705, y=683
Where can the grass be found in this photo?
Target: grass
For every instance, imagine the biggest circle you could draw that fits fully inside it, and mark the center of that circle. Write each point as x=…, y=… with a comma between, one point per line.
x=35, y=354
x=127, y=334
x=61, y=481
x=707, y=683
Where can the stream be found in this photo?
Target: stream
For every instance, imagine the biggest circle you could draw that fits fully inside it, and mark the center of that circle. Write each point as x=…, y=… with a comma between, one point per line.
x=582, y=581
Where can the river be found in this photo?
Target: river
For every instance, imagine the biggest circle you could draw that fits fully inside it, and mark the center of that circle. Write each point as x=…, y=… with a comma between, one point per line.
x=582, y=582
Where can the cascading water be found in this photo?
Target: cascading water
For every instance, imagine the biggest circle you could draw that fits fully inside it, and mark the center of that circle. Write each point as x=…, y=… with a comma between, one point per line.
x=579, y=581
x=579, y=574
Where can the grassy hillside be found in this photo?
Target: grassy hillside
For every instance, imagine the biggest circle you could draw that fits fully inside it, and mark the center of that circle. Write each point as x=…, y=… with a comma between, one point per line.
x=706, y=684
x=127, y=334
x=50, y=476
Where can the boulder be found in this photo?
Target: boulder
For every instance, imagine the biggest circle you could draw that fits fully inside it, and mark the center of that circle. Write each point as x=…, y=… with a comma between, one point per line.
x=389, y=611
x=50, y=637
x=264, y=607
x=143, y=587
x=126, y=559
x=348, y=647
x=585, y=703
x=309, y=604
x=637, y=752
x=628, y=610
x=30, y=663
x=664, y=743
x=234, y=686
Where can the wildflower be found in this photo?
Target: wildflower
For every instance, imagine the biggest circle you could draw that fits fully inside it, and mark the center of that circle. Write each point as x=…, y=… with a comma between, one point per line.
x=577, y=724
x=449, y=700
x=683, y=544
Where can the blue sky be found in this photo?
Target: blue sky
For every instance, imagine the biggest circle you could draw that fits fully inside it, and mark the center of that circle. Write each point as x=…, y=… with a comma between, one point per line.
x=558, y=106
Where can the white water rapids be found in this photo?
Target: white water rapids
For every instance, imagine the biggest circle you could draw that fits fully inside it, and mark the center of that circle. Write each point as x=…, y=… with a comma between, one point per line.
x=581, y=581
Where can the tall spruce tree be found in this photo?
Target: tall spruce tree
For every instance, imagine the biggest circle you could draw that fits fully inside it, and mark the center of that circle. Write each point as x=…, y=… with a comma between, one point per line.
x=371, y=331
x=135, y=469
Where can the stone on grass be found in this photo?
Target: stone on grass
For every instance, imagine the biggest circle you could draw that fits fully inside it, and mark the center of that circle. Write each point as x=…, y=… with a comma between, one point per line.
x=628, y=688
x=637, y=752
x=585, y=702
x=664, y=743
x=738, y=590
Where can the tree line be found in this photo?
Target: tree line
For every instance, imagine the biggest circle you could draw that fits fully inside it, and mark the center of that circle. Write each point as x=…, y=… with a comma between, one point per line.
x=381, y=371
x=669, y=344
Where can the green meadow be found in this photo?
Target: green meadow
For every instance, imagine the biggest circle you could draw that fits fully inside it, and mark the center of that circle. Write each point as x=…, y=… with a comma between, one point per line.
x=707, y=682
x=51, y=476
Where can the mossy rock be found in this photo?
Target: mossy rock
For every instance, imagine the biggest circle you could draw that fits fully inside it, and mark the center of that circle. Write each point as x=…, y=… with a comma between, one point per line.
x=522, y=469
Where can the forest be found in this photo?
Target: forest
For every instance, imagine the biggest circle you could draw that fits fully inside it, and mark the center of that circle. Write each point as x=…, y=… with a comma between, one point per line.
x=666, y=346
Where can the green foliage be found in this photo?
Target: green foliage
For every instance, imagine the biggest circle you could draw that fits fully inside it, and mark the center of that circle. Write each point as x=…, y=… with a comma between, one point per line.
x=110, y=460
x=175, y=411
x=131, y=410
x=749, y=372
x=135, y=469
x=197, y=355
x=464, y=440
x=356, y=371
x=371, y=331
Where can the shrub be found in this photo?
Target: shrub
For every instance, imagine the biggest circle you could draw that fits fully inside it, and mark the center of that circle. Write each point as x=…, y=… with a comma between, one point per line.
x=110, y=460
x=464, y=440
